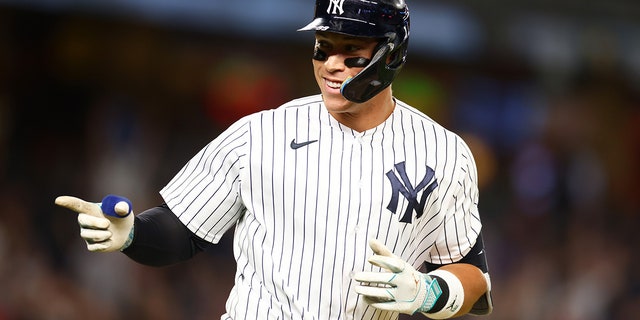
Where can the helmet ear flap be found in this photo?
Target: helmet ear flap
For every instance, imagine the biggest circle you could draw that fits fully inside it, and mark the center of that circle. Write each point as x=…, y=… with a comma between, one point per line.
x=398, y=54
x=398, y=57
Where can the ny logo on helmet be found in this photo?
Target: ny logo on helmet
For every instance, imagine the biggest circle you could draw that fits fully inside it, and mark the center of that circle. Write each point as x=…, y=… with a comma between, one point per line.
x=336, y=5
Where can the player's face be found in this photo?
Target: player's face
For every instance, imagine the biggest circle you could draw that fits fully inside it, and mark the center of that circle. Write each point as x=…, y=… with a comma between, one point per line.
x=330, y=69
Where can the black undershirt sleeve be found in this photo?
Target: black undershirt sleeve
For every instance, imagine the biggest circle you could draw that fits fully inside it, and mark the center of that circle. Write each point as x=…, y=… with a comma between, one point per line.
x=160, y=239
x=476, y=257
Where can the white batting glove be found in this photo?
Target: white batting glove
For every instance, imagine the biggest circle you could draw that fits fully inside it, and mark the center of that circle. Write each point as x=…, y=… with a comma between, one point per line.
x=106, y=226
x=403, y=290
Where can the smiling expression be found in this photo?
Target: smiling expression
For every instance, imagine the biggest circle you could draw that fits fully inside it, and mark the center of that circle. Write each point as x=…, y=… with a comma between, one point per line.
x=331, y=71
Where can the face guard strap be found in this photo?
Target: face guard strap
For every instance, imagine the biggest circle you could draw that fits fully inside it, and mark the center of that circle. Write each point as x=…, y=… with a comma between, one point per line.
x=375, y=77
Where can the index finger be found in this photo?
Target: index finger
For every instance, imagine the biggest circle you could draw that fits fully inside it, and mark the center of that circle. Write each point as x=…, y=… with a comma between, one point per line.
x=374, y=277
x=379, y=248
x=392, y=264
x=78, y=205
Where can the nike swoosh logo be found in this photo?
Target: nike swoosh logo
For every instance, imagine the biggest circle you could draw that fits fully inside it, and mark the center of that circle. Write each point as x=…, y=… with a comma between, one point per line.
x=295, y=145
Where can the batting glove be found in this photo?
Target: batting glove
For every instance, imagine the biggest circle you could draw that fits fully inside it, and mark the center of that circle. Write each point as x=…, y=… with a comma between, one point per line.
x=403, y=289
x=105, y=226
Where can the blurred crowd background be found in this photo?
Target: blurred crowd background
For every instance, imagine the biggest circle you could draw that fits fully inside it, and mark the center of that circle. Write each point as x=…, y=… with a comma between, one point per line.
x=101, y=97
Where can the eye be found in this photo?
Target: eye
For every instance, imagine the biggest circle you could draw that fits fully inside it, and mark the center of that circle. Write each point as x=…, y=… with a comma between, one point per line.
x=319, y=55
x=352, y=48
x=321, y=44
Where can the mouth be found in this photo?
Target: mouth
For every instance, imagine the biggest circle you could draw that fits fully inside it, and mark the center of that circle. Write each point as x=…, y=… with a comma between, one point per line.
x=333, y=84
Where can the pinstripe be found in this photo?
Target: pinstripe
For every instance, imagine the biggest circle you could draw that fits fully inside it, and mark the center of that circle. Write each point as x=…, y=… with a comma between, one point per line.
x=295, y=197
x=455, y=205
x=326, y=220
x=303, y=217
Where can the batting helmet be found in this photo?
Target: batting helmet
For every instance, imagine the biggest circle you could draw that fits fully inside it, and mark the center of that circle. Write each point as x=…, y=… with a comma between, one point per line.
x=387, y=20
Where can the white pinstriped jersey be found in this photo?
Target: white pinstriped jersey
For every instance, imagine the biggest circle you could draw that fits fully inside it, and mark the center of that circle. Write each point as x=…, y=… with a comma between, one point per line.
x=305, y=195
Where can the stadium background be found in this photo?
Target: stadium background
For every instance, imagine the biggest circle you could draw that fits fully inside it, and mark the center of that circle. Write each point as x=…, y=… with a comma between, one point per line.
x=114, y=96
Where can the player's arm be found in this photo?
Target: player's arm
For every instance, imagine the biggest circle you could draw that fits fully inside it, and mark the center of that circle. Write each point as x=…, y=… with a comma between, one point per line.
x=473, y=286
x=444, y=292
x=155, y=237
x=159, y=238
x=473, y=273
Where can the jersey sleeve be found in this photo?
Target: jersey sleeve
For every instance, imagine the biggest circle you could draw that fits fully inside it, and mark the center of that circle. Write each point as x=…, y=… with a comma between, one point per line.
x=205, y=193
x=460, y=238
x=459, y=206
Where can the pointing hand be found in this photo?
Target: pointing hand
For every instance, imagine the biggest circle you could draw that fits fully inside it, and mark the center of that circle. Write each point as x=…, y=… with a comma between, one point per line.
x=105, y=226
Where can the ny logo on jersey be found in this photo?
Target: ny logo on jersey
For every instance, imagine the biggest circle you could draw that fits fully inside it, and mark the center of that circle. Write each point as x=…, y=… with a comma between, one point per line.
x=336, y=5
x=402, y=186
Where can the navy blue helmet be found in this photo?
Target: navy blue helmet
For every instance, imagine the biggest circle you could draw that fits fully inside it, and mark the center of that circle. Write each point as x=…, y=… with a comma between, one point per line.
x=387, y=20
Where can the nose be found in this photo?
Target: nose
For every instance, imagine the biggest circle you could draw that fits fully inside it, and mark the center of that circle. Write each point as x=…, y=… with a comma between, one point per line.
x=334, y=63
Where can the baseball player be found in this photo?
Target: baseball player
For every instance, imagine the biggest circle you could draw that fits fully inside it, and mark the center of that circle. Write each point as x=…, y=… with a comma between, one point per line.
x=349, y=204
